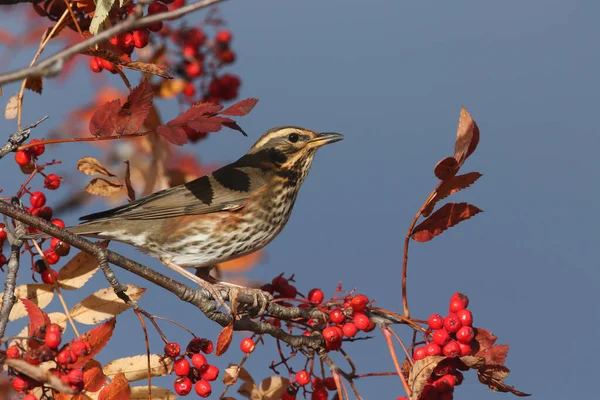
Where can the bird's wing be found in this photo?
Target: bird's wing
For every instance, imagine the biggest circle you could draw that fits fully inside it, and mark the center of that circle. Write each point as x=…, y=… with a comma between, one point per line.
x=225, y=189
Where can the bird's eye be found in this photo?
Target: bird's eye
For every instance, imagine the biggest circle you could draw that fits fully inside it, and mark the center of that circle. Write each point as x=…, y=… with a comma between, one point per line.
x=293, y=137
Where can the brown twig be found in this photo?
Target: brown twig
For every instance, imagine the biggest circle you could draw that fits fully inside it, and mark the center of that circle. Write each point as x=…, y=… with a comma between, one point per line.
x=88, y=139
x=52, y=65
x=390, y=343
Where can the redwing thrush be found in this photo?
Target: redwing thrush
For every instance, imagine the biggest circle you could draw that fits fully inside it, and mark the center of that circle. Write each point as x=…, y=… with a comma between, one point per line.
x=234, y=211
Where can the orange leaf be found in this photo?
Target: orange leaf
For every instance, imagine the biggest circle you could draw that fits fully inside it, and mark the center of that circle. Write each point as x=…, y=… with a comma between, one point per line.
x=467, y=137
x=449, y=187
x=34, y=84
x=93, y=376
x=446, y=217
x=224, y=339
x=97, y=337
x=446, y=168
x=117, y=389
x=242, y=263
x=37, y=320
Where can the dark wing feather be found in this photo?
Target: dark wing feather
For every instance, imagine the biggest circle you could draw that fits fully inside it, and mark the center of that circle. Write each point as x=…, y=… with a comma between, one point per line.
x=211, y=193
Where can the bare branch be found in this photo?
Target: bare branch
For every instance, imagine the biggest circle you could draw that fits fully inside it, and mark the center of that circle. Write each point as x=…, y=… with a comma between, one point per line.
x=52, y=65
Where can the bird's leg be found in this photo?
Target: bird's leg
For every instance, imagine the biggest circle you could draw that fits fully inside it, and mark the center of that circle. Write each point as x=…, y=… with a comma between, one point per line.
x=211, y=288
x=257, y=293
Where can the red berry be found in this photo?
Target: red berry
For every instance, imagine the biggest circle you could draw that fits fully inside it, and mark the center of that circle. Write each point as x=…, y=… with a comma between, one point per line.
x=451, y=349
x=96, y=65
x=107, y=65
x=445, y=383
x=223, y=36
x=459, y=377
x=54, y=328
x=23, y=157
x=247, y=345
x=361, y=321
x=52, y=182
x=46, y=213
x=208, y=347
x=329, y=383
x=189, y=90
x=193, y=70
x=20, y=384
x=319, y=393
x=155, y=26
x=79, y=348
x=141, y=38
x=64, y=357
x=452, y=323
x=349, y=329
x=288, y=291
x=278, y=282
x=316, y=296
x=3, y=260
x=302, y=378
x=181, y=367
x=199, y=361
x=194, y=37
x=37, y=199
x=359, y=302
x=435, y=321
x=13, y=352
x=58, y=222
x=209, y=373
x=458, y=301
x=337, y=316
x=157, y=7
x=29, y=396
x=114, y=40
x=465, y=349
x=62, y=248
x=433, y=349
x=226, y=56
x=47, y=275
x=172, y=349
x=3, y=234
x=466, y=317
x=203, y=388
x=440, y=337
x=446, y=366
x=465, y=335
x=52, y=339
x=332, y=334
x=183, y=386
x=39, y=149
x=445, y=395
x=75, y=376
x=419, y=353
x=189, y=51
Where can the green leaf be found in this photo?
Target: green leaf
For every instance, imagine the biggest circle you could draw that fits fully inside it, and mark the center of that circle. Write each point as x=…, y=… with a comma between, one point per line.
x=102, y=9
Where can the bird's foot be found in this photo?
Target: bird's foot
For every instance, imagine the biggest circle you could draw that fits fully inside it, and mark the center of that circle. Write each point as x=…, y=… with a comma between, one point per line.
x=235, y=291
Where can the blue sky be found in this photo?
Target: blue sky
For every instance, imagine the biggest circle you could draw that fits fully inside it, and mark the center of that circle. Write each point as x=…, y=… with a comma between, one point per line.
x=392, y=76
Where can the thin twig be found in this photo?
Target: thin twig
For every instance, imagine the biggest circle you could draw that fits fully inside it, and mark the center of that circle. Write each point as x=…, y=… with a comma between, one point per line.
x=52, y=65
x=390, y=343
x=17, y=138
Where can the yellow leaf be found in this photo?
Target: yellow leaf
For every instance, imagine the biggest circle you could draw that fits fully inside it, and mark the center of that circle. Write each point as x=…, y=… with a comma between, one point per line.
x=136, y=368
x=103, y=304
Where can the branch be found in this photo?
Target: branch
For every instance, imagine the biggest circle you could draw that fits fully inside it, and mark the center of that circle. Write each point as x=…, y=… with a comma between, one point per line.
x=17, y=138
x=199, y=297
x=9, y=299
x=52, y=65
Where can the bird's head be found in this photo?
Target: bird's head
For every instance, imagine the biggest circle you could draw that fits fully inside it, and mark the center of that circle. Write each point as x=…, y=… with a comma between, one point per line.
x=291, y=146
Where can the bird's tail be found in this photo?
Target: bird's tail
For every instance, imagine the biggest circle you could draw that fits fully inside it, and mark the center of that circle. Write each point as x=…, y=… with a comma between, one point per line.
x=90, y=229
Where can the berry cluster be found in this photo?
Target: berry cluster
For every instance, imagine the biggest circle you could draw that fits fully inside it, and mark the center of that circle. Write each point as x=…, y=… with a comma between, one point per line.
x=50, y=338
x=196, y=372
x=451, y=336
x=319, y=386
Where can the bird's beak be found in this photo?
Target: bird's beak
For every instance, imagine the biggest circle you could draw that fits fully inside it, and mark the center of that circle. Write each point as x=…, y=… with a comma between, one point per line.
x=325, y=138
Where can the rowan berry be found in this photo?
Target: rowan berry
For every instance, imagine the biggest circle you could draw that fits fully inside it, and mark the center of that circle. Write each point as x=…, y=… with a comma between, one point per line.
x=23, y=157
x=52, y=339
x=440, y=337
x=316, y=296
x=223, y=36
x=75, y=376
x=247, y=345
x=193, y=70
x=451, y=349
x=337, y=316
x=209, y=373
x=183, y=386
x=435, y=321
x=172, y=349
x=349, y=329
x=361, y=320
x=181, y=367
x=79, y=348
x=419, y=353
x=199, y=361
x=39, y=149
x=189, y=90
x=96, y=65
x=302, y=378
x=465, y=335
x=157, y=7
x=359, y=302
x=13, y=352
x=452, y=323
x=466, y=317
x=203, y=388
x=49, y=276
x=458, y=301
x=20, y=384
x=141, y=38
x=433, y=349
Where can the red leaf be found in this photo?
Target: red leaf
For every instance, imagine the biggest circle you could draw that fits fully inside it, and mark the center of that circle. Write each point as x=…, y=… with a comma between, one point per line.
x=104, y=120
x=496, y=355
x=97, y=337
x=136, y=109
x=446, y=168
x=224, y=339
x=173, y=134
x=93, y=376
x=484, y=339
x=240, y=108
x=117, y=389
x=446, y=217
x=37, y=321
x=467, y=137
x=450, y=186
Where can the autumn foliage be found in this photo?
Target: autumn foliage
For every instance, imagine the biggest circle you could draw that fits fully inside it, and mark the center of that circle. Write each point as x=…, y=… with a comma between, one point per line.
x=300, y=329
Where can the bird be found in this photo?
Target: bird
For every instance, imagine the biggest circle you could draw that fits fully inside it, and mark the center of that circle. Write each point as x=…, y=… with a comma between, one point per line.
x=233, y=211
